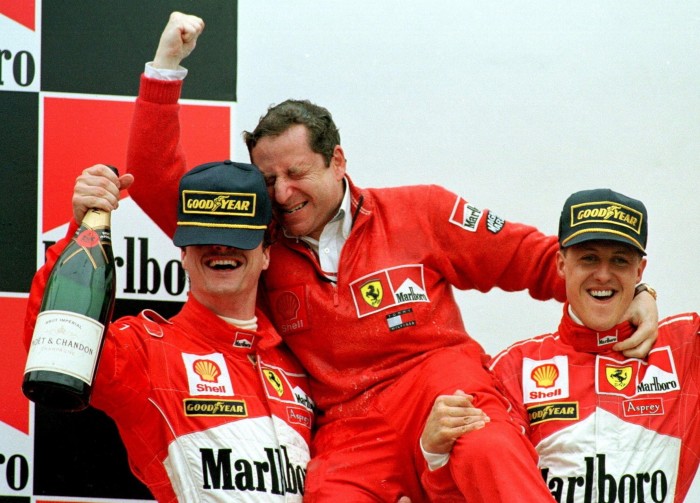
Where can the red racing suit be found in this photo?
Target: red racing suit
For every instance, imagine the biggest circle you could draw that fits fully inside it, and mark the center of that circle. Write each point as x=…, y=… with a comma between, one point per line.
x=606, y=427
x=206, y=411
x=386, y=339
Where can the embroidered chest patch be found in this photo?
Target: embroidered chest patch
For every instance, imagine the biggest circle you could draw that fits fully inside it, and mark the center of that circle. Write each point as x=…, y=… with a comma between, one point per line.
x=388, y=288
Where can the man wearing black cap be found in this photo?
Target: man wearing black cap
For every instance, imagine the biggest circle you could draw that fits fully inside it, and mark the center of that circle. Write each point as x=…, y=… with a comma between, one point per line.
x=606, y=427
x=209, y=404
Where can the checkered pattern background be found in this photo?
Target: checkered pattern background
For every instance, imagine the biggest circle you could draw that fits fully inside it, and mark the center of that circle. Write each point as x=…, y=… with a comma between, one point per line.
x=69, y=74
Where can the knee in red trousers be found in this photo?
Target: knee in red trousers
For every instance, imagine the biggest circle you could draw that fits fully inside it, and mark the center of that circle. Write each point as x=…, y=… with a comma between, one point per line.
x=497, y=463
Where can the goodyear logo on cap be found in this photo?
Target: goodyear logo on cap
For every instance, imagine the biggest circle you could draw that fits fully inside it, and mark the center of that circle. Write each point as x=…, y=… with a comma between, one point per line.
x=218, y=203
x=606, y=212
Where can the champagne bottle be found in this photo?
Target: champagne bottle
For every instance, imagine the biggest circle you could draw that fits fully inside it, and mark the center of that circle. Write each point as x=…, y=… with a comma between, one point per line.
x=73, y=319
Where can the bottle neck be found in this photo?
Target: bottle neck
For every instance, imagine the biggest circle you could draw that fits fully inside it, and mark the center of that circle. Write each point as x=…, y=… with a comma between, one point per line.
x=97, y=218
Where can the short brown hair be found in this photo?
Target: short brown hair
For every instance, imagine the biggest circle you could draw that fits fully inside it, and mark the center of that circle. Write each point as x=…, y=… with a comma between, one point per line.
x=323, y=133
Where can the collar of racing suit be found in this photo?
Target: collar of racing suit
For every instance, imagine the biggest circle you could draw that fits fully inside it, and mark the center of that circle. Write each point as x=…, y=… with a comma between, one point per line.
x=584, y=339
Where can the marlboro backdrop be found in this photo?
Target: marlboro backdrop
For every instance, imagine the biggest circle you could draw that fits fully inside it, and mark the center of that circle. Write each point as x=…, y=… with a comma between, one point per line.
x=69, y=74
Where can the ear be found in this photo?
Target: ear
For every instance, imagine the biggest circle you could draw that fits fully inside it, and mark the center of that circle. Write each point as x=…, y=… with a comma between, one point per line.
x=338, y=162
x=561, y=259
x=266, y=257
x=183, y=254
x=640, y=269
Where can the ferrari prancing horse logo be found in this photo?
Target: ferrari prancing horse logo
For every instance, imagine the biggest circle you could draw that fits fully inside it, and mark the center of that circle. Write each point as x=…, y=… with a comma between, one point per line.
x=274, y=380
x=618, y=377
x=372, y=292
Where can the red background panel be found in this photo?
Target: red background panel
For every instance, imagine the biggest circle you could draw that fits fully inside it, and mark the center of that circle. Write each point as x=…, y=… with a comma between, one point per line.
x=79, y=133
x=14, y=407
x=22, y=11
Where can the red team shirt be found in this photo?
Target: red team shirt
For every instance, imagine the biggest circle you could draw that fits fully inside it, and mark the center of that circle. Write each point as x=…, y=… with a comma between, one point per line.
x=206, y=411
x=610, y=428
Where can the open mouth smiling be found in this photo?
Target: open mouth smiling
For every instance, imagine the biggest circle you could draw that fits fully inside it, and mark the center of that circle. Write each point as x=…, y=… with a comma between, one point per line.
x=294, y=209
x=602, y=294
x=223, y=264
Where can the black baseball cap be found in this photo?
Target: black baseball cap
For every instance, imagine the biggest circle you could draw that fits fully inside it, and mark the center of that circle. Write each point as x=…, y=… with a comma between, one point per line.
x=603, y=214
x=223, y=203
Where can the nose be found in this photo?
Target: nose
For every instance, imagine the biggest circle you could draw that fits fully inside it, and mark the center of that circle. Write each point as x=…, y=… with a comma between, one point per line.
x=602, y=272
x=281, y=190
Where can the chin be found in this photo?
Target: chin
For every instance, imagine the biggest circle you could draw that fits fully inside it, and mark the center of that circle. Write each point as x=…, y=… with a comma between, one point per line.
x=601, y=325
x=295, y=230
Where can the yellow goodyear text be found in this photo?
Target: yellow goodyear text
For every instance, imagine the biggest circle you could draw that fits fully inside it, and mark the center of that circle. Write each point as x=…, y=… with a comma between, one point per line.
x=606, y=212
x=218, y=203
x=195, y=407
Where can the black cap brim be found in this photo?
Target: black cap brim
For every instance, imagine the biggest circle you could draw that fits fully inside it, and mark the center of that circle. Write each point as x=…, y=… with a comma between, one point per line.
x=243, y=239
x=602, y=235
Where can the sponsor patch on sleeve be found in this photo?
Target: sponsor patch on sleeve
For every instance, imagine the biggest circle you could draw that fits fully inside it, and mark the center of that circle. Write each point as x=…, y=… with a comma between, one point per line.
x=465, y=215
x=494, y=223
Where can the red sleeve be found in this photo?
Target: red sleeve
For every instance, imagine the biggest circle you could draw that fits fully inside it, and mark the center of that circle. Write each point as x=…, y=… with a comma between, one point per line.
x=480, y=250
x=154, y=154
x=41, y=277
x=438, y=483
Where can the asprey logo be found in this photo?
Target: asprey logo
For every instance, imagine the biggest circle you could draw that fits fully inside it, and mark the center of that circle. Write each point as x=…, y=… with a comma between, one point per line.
x=545, y=380
x=207, y=374
x=218, y=203
x=643, y=407
x=387, y=288
x=298, y=415
x=606, y=212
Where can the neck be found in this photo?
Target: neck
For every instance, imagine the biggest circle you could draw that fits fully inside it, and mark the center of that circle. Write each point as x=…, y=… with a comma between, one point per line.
x=229, y=306
x=587, y=340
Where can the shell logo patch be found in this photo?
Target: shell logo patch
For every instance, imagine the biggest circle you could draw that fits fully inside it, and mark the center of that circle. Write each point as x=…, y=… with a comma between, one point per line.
x=289, y=309
x=207, y=374
x=545, y=375
x=207, y=370
x=545, y=380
